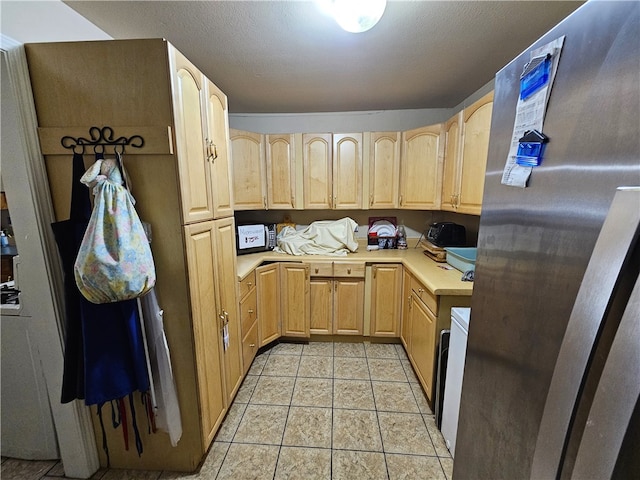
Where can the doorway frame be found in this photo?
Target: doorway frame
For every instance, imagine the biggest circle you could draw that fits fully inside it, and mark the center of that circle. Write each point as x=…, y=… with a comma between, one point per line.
x=72, y=421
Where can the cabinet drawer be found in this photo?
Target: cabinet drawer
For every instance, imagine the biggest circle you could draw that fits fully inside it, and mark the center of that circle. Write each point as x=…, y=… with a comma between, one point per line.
x=250, y=346
x=427, y=297
x=247, y=283
x=248, y=311
x=321, y=269
x=346, y=269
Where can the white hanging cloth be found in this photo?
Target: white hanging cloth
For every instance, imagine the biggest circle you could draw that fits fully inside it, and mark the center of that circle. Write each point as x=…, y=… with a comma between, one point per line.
x=166, y=407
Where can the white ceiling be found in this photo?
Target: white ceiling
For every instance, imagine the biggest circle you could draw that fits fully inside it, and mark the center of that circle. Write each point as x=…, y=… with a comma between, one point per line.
x=287, y=57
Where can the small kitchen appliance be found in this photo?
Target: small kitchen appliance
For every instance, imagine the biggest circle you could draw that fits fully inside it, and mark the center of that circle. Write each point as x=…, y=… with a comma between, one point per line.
x=255, y=237
x=447, y=234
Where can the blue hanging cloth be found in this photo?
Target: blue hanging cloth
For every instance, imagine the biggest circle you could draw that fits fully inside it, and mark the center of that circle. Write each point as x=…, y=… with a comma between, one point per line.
x=114, y=358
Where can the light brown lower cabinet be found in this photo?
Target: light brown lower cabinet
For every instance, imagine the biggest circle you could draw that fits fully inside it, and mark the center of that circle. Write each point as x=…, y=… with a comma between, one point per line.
x=405, y=328
x=283, y=294
x=213, y=301
x=226, y=288
x=386, y=299
x=294, y=298
x=321, y=306
x=248, y=319
x=268, y=290
x=423, y=332
x=348, y=306
x=337, y=298
x=424, y=316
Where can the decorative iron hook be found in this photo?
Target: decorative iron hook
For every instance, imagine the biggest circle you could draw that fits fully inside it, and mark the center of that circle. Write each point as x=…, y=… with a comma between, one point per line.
x=101, y=137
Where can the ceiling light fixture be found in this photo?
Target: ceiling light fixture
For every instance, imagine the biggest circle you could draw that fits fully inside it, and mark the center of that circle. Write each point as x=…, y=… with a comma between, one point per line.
x=354, y=16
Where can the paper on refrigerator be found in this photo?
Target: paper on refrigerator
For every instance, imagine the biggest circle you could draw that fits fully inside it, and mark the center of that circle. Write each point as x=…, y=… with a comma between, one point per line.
x=530, y=116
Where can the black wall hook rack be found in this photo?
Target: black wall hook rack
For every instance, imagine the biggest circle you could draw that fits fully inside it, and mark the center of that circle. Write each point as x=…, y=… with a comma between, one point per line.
x=100, y=138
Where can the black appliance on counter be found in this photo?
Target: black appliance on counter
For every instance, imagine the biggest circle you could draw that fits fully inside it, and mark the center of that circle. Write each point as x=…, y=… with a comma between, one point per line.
x=447, y=234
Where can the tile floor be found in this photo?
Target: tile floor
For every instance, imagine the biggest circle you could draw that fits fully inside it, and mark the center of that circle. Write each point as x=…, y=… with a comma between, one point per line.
x=342, y=411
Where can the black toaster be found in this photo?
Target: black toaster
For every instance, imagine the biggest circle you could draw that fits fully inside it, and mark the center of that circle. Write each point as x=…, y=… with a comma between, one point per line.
x=447, y=234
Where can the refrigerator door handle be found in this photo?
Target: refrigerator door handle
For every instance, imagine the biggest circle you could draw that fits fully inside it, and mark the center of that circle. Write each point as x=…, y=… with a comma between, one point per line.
x=613, y=247
x=615, y=399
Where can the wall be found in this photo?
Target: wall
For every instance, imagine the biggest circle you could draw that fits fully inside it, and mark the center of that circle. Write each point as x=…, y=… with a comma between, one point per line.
x=46, y=21
x=371, y=121
x=24, y=22
x=415, y=221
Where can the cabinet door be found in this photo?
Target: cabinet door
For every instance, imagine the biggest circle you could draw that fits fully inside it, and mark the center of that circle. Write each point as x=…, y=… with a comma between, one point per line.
x=384, y=173
x=247, y=159
x=405, y=330
x=386, y=299
x=281, y=171
x=190, y=110
x=268, y=289
x=321, y=305
x=226, y=275
x=294, y=299
x=421, y=168
x=201, y=258
x=451, y=173
x=317, y=161
x=217, y=150
x=423, y=332
x=475, y=148
x=347, y=171
x=348, y=306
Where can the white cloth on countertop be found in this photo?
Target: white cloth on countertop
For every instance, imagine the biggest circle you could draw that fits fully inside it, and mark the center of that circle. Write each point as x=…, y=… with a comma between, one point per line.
x=324, y=237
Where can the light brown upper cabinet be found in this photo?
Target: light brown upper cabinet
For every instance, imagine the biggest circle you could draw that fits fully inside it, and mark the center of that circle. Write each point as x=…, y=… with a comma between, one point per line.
x=247, y=159
x=451, y=173
x=217, y=150
x=281, y=171
x=384, y=169
x=317, y=158
x=475, y=149
x=421, y=168
x=332, y=170
x=467, y=146
x=189, y=102
x=347, y=170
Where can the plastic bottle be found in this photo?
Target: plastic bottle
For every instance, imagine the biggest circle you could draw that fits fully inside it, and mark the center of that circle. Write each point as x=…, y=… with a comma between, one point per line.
x=402, y=237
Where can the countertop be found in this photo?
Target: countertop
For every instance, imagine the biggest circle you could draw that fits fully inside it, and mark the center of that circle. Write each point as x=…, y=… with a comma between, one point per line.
x=438, y=280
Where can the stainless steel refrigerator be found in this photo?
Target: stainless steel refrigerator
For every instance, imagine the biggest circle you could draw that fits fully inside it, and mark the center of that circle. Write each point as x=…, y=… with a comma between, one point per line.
x=551, y=380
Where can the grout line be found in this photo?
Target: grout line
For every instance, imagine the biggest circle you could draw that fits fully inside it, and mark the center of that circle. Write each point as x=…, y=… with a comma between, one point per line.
x=333, y=396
